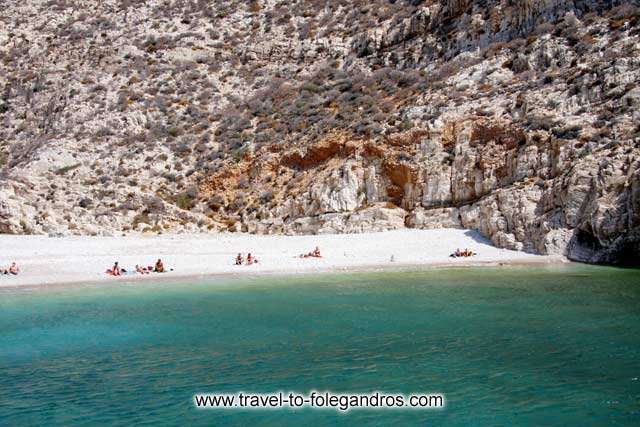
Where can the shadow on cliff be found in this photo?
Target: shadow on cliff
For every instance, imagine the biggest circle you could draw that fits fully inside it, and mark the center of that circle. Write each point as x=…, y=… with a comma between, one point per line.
x=477, y=237
x=623, y=252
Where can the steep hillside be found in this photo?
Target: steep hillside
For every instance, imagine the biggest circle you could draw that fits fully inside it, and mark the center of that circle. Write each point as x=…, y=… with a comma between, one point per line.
x=518, y=119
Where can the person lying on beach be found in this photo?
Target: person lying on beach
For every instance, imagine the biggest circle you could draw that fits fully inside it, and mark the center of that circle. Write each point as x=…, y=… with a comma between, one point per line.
x=313, y=254
x=159, y=268
x=14, y=269
x=239, y=259
x=141, y=270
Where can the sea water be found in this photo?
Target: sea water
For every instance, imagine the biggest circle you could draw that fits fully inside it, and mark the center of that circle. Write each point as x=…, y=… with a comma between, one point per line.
x=554, y=346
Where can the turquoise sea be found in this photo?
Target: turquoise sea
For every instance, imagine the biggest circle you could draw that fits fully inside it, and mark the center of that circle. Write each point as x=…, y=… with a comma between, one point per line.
x=509, y=346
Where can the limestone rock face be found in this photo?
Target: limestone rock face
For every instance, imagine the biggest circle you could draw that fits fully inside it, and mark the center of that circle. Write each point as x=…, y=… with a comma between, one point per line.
x=434, y=218
x=524, y=192
x=339, y=193
x=372, y=218
x=607, y=220
x=13, y=215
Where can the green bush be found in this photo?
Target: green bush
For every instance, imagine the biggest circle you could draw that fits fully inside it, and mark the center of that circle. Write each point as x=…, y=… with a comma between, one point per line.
x=185, y=201
x=66, y=169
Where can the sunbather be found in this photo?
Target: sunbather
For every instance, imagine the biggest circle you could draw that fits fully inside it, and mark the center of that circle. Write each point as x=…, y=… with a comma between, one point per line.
x=115, y=270
x=141, y=270
x=159, y=268
x=313, y=254
x=239, y=259
x=14, y=269
x=462, y=254
x=251, y=259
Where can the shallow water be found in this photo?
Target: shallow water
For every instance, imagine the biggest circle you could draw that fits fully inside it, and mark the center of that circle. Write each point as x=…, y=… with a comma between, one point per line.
x=506, y=346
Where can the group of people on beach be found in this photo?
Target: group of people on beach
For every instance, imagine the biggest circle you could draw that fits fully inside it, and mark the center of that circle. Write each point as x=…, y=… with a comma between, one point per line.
x=462, y=254
x=116, y=270
x=12, y=269
x=250, y=260
x=313, y=254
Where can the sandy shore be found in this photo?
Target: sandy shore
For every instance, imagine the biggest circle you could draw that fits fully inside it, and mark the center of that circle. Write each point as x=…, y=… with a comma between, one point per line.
x=45, y=260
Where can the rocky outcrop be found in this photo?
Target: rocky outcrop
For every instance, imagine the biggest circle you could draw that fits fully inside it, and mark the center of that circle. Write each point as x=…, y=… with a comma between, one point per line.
x=315, y=154
x=525, y=191
x=433, y=218
x=475, y=25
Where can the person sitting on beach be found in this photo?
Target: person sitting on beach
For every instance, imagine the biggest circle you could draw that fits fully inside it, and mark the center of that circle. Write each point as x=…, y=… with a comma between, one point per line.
x=239, y=259
x=141, y=270
x=159, y=268
x=14, y=269
x=115, y=270
x=251, y=259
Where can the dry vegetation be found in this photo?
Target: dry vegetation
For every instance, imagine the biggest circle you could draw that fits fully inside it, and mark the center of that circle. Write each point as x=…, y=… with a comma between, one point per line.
x=149, y=100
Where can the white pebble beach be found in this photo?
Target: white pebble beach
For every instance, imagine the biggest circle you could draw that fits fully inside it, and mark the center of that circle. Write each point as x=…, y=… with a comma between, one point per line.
x=56, y=260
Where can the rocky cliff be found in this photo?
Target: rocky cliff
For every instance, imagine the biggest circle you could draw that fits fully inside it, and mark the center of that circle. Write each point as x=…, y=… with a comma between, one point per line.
x=517, y=119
